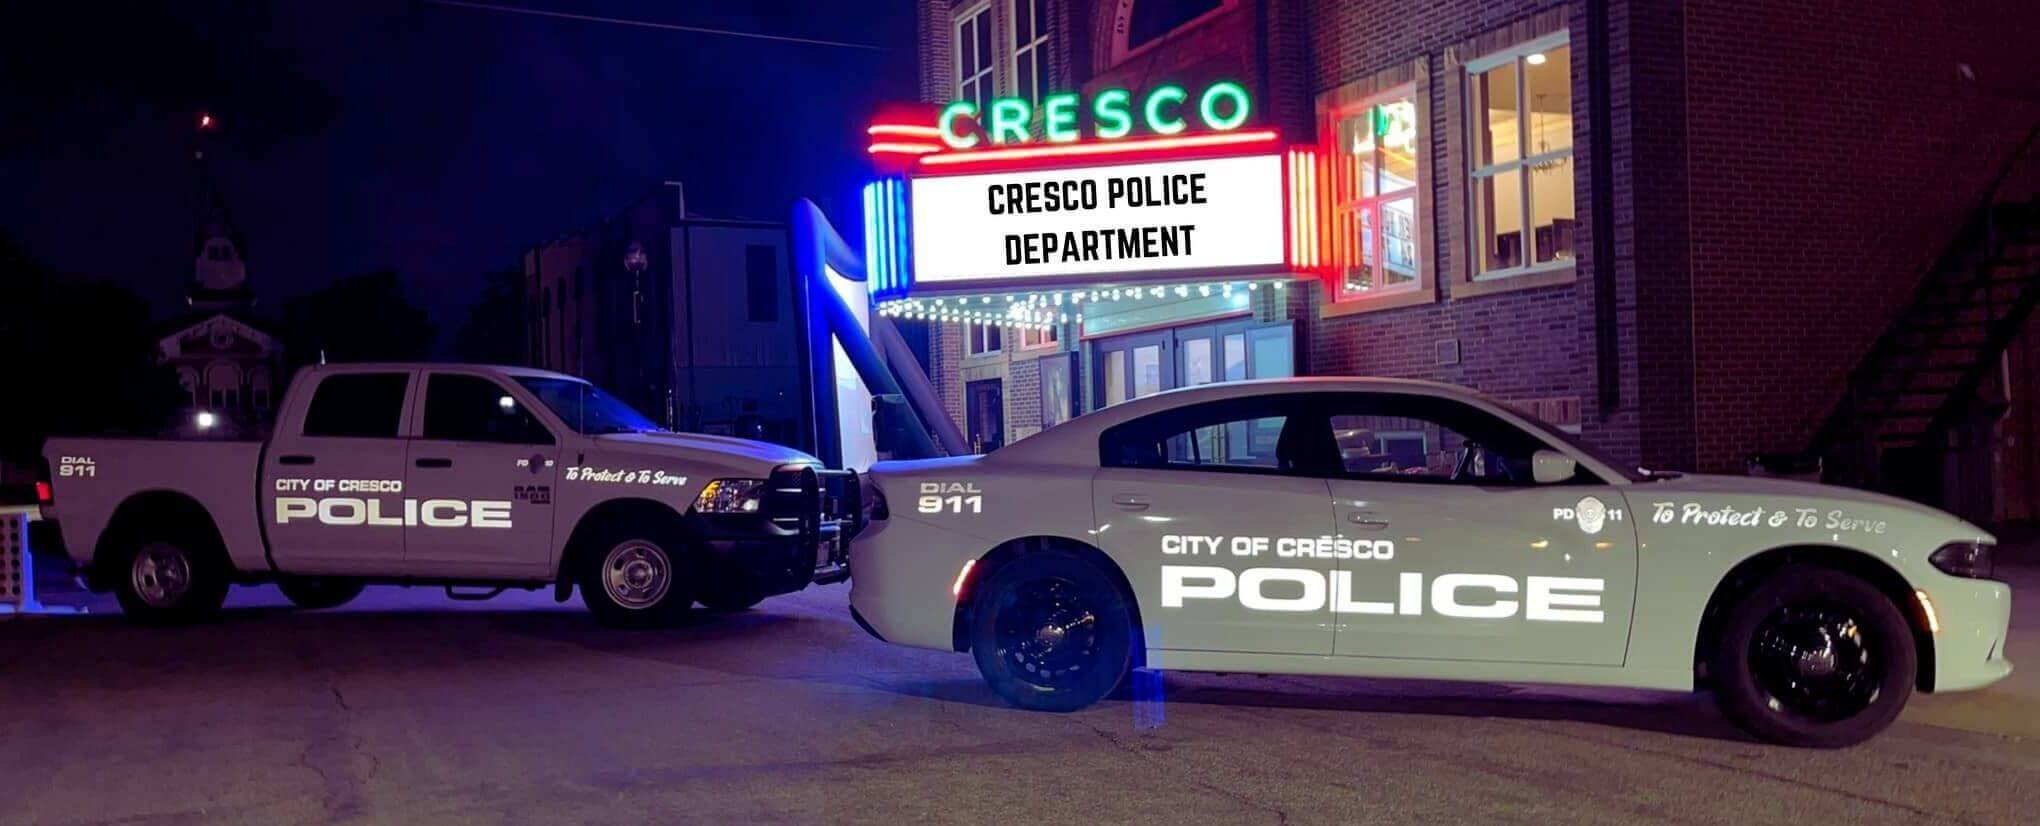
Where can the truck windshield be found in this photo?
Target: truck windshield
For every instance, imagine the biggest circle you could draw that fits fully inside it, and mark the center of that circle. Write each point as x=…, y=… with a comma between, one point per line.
x=585, y=408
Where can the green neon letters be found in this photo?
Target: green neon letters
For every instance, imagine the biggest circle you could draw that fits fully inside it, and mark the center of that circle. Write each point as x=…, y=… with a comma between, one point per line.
x=959, y=109
x=1109, y=111
x=1165, y=110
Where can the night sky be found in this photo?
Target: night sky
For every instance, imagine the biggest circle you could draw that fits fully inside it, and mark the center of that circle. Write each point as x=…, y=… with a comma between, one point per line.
x=436, y=140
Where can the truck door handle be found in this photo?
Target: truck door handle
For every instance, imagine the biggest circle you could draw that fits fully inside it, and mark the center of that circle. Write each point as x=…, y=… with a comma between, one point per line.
x=434, y=462
x=1367, y=521
x=294, y=460
x=1130, y=502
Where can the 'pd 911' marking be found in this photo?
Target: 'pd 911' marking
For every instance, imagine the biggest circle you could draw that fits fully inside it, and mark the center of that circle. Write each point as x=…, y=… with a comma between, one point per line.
x=431, y=513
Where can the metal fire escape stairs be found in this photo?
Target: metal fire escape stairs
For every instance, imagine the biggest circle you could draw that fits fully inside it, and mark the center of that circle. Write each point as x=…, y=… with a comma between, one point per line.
x=1932, y=372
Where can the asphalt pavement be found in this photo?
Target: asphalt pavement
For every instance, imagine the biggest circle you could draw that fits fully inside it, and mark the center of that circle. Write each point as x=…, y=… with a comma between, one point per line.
x=408, y=708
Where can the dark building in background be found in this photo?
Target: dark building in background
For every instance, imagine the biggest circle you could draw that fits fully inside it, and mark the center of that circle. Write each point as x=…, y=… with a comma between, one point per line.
x=696, y=322
x=1687, y=230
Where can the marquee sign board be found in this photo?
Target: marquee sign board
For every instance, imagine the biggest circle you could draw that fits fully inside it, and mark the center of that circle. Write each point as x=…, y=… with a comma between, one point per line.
x=1133, y=218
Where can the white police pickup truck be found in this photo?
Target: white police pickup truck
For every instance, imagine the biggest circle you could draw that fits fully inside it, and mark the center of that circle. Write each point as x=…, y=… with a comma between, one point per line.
x=457, y=476
x=1387, y=528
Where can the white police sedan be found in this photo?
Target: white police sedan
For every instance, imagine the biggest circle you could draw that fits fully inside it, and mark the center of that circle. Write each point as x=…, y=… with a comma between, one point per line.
x=1389, y=528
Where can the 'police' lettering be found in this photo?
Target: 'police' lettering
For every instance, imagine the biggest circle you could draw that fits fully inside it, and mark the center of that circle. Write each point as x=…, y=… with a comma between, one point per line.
x=1457, y=595
x=343, y=511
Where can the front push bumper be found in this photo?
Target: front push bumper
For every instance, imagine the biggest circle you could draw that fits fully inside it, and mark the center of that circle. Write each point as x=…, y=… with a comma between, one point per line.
x=800, y=535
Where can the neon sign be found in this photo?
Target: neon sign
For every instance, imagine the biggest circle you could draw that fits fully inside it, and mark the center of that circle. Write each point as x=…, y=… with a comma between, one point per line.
x=1165, y=110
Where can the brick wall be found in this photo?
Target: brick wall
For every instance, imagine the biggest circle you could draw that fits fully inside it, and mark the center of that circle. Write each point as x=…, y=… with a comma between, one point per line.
x=1535, y=343
x=1833, y=147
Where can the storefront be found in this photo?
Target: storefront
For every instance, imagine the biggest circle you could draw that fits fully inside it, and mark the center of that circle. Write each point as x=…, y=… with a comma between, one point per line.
x=1155, y=248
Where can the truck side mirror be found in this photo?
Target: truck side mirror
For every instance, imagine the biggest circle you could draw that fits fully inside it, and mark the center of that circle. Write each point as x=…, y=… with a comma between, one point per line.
x=1550, y=467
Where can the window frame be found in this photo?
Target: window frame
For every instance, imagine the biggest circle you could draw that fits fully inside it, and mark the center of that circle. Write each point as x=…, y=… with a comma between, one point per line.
x=405, y=402
x=1049, y=339
x=1524, y=161
x=528, y=405
x=993, y=340
x=1360, y=203
x=1038, y=45
x=1290, y=407
x=1122, y=29
x=1411, y=79
x=981, y=14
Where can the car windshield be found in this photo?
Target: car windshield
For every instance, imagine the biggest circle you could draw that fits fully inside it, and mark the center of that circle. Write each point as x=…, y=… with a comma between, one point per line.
x=585, y=408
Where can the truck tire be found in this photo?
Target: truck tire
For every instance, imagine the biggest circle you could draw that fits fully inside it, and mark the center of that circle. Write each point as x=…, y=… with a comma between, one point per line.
x=1051, y=632
x=315, y=593
x=1814, y=657
x=168, y=582
x=728, y=587
x=638, y=579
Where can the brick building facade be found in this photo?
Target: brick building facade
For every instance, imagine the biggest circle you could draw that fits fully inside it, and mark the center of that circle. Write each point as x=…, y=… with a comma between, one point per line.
x=1677, y=226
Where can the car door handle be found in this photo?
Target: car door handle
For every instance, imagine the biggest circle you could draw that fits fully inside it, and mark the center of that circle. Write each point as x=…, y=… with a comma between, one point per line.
x=434, y=462
x=1128, y=501
x=1367, y=521
x=294, y=460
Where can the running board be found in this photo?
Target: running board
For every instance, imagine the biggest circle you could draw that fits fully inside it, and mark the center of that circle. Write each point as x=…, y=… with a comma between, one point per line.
x=483, y=596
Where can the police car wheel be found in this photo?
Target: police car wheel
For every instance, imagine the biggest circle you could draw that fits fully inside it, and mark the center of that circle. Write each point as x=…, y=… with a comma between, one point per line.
x=1815, y=658
x=1051, y=632
x=167, y=582
x=637, y=582
x=316, y=593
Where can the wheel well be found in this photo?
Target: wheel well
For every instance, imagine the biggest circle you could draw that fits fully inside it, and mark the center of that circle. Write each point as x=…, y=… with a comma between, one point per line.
x=1013, y=549
x=156, y=513
x=1744, y=576
x=588, y=532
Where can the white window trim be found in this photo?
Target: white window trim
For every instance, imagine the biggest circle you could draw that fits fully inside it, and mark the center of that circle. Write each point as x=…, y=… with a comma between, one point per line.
x=994, y=336
x=1015, y=50
x=1400, y=92
x=989, y=75
x=1523, y=161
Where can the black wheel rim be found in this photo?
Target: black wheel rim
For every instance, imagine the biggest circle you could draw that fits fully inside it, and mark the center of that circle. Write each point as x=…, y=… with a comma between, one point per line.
x=1047, y=632
x=1819, y=662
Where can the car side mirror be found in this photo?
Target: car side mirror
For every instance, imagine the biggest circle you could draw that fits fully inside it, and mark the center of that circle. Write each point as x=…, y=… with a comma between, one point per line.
x=1550, y=467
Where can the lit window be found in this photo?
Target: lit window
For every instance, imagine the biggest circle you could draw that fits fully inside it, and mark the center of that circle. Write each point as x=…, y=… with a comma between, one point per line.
x=1034, y=339
x=981, y=339
x=974, y=59
x=1375, y=178
x=1521, y=178
x=1030, y=47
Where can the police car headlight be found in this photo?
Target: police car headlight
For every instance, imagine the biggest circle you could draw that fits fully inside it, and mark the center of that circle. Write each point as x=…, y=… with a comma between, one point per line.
x=731, y=496
x=1964, y=559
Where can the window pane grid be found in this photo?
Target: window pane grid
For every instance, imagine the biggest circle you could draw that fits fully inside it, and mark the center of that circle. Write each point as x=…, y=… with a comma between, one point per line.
x=1521, y=174
x=1375, y=178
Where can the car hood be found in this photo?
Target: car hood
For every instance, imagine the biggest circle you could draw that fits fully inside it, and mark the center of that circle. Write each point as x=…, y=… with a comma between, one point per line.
x=1703, y=484
x=726, y=450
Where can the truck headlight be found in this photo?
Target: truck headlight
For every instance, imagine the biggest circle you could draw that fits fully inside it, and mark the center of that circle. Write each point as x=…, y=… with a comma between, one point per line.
x=731, y=496
x=1964, y=559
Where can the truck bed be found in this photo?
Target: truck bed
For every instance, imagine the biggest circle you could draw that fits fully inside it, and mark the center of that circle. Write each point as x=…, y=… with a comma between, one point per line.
x=91, y=478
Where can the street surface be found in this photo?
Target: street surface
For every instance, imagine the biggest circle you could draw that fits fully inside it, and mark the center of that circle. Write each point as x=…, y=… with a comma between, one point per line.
x=408, y=708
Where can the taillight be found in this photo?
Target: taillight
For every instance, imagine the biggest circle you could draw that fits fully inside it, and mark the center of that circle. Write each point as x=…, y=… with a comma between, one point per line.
x=44, y=494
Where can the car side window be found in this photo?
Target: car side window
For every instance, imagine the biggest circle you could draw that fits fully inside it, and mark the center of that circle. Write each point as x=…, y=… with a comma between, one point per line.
x=1264, y=435
x=460, y=408
x=357, y=406
x=1407, y=437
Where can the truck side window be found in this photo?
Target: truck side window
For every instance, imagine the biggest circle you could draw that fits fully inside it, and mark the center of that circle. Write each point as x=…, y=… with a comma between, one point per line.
x=357, y=406
x=474, y=409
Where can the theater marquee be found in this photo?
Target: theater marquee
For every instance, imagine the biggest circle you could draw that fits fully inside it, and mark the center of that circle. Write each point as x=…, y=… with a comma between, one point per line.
x=1210, y=214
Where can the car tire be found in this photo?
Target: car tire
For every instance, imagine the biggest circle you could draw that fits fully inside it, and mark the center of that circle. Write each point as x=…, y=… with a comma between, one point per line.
x=638, y=579
x=317, y=593
x=1814, y=658
x=728, y=587
x=169, y=582
x=1051, y=632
